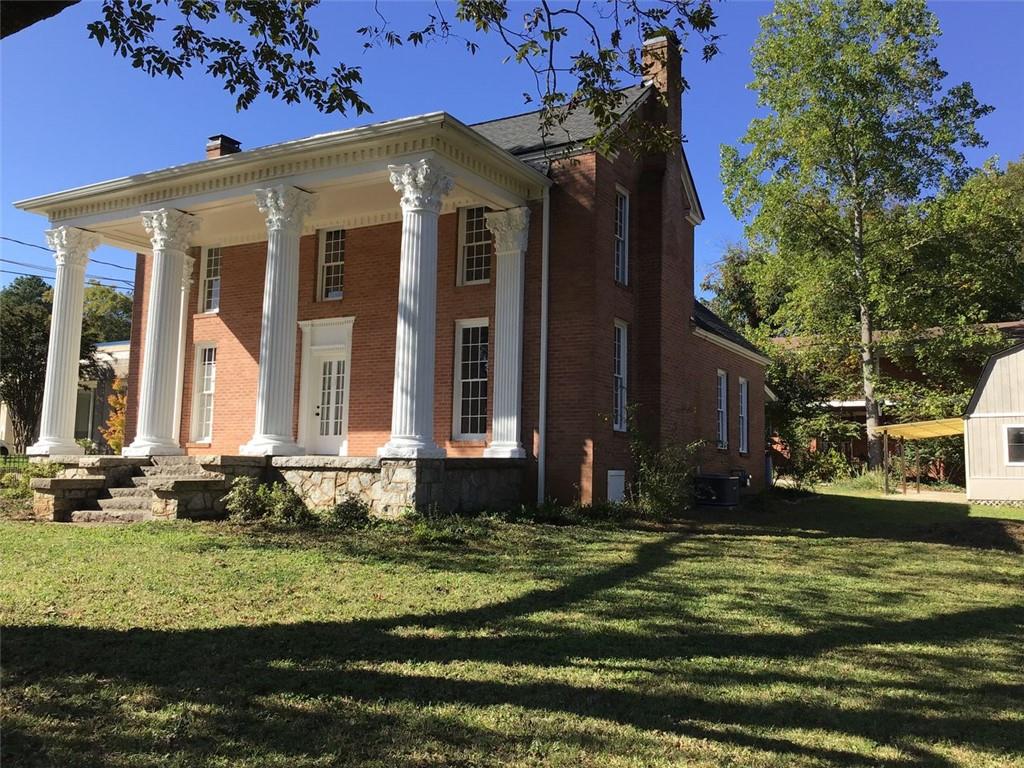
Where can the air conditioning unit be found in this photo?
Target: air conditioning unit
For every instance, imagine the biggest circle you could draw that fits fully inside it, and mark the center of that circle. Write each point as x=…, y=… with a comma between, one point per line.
x=717, y=490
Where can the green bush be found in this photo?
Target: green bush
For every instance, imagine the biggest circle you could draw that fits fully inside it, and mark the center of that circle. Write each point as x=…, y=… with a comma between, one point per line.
x=352, y=512
x=252, y=501
x=664, y=475
x=16, y=485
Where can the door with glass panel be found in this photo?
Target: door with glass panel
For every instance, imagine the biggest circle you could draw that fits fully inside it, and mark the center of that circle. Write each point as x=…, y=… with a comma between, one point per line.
x=328, y=420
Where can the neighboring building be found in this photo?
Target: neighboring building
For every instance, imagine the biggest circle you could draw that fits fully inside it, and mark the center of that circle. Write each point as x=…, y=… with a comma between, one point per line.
x=994, y=430
x=91, y=405
x=511, y=303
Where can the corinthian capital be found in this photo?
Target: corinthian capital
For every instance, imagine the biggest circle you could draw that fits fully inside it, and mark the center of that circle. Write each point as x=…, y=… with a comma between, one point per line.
x=511, y=229
x=285, y=207
x=422, y=184
x=170, y=229
x=71, y=246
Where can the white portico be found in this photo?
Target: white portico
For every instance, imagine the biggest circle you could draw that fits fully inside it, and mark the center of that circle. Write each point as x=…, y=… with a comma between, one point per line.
x=410, y=170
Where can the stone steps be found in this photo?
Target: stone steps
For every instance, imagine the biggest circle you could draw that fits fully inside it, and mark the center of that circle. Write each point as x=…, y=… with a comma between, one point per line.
x=125, y=503
x=111, y=516
x=130, y=491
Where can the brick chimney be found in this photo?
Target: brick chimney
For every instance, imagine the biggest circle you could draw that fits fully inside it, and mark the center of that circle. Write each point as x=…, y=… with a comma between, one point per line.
x=220, y=145
x=662, y=68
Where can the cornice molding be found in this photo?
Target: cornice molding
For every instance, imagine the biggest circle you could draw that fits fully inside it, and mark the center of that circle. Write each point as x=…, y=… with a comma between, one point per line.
x=438, y=132
x=714, y=338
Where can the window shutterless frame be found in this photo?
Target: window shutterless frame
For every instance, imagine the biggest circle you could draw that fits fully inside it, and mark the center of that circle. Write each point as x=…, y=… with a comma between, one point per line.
x=744, y=419
x=209, y=281
x=621, y=243
x=203, y=387
x=330, y=270
x=722, y=408
x=620, y=375
x=1013, y=435
x=475, y=247
x=470, y=394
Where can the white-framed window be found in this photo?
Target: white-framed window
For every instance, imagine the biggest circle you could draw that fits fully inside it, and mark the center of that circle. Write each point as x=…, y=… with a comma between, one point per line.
x=621, y=236
x=331, y=265
x=620, y=383
x=202, y=397
x=1015, y=444
x=723, y=409
x=472, y=355
x=209, y=284
x=744, y=417
x=475, y=246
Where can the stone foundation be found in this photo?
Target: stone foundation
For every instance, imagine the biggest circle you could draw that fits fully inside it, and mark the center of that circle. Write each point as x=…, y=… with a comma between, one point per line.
x=194, y=487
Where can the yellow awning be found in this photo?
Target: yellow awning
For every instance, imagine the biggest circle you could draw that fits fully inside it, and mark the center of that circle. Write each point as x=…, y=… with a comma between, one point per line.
x=920, y=430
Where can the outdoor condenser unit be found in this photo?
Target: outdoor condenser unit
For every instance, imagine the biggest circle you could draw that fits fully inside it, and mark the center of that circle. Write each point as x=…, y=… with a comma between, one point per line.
x=718, y=490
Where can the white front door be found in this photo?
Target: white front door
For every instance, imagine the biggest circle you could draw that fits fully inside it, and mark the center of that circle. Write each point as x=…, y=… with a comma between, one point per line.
x=327, y=426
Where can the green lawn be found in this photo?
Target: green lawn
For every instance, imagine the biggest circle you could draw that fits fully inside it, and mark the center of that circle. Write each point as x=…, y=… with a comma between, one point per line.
x=835, y=631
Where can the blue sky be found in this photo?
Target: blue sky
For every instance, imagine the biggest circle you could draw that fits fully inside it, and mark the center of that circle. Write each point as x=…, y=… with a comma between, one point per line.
x=72, y=114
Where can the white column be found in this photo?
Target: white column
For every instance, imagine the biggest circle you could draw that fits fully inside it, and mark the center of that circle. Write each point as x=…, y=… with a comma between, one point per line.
x=60, y=391
x=423, y=185
x=285, y=208
x=156, y=432
x=179, y=377
x=511, y=231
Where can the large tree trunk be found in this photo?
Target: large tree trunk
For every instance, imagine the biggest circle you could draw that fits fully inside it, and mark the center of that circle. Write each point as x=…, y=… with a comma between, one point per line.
x=869, y=376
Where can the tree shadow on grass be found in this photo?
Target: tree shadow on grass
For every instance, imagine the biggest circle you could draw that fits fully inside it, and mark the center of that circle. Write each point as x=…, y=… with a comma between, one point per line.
x=838, y=515
x=382, y=691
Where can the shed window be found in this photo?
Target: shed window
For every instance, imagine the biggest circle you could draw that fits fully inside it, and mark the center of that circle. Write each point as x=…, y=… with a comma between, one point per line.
x=1015, y=444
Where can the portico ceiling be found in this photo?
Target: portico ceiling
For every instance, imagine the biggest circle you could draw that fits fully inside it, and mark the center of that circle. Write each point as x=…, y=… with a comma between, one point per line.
x=346, y=169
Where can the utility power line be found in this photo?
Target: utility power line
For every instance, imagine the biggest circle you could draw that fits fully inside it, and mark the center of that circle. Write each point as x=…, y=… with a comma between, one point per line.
x=54, y=269
x=51, y=278
x=50, y=250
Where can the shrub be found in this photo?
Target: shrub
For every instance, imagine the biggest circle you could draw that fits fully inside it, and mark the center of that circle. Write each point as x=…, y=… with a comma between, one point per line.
x=249, y=500
x=16, y=485
x=351, y=512
x=664, y=475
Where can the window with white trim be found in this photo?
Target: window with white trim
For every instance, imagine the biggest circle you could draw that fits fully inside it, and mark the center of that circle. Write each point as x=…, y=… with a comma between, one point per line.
x=475, y=245
x=723, y=409
x=331, y=265
x=471, y=367
x=202, y=398
x=621, y=236
x=209, y=292
x=744, y=418
x=620, y=366
x=1015, y=444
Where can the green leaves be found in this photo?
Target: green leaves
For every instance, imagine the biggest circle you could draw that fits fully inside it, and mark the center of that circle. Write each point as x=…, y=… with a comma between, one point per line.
x=278, y=59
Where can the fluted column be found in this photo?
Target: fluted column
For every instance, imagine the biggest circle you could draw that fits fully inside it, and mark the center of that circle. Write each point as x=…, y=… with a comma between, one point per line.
x=57, y=428
x=179, y=377
x=285, y=208
x=423, y=186
x=170, y=232
x=510, y=230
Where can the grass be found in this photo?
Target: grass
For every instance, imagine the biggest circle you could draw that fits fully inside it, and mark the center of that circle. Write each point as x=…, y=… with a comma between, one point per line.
x=832, y=631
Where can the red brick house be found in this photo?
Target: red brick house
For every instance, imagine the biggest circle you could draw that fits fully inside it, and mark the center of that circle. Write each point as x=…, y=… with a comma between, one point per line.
x=418, y=290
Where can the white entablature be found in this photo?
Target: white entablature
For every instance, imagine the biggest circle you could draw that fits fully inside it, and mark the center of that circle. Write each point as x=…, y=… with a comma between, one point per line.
x=347, y=170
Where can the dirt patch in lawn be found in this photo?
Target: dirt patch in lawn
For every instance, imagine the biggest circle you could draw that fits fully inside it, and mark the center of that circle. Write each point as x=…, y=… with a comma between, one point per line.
x=1006, y=535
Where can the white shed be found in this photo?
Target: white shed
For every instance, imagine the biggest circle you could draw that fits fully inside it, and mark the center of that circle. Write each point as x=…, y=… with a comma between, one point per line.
x=994, y=430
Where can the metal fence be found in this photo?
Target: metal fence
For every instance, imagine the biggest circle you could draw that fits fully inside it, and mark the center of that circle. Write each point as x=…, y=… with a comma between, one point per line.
x=13, y=464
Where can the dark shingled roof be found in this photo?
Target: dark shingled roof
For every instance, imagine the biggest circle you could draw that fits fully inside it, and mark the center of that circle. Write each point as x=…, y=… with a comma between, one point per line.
x=712, y=323
x=521, y=134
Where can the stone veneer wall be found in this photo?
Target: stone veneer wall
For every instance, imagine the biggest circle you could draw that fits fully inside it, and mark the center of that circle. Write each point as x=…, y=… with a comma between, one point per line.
x=391, y=487
x=394, y=486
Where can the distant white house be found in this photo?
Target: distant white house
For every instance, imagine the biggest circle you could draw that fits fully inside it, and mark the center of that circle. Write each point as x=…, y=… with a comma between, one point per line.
x=91, y=408
x=994, y=430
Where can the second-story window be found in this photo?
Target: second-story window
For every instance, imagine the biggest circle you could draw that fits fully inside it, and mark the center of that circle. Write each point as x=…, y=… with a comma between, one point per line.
x=209, y=291
x=474, y=246
x=621, y=237
x=331, y=271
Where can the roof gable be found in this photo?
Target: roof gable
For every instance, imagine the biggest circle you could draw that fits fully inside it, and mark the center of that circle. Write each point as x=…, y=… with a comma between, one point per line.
x=986, y=376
